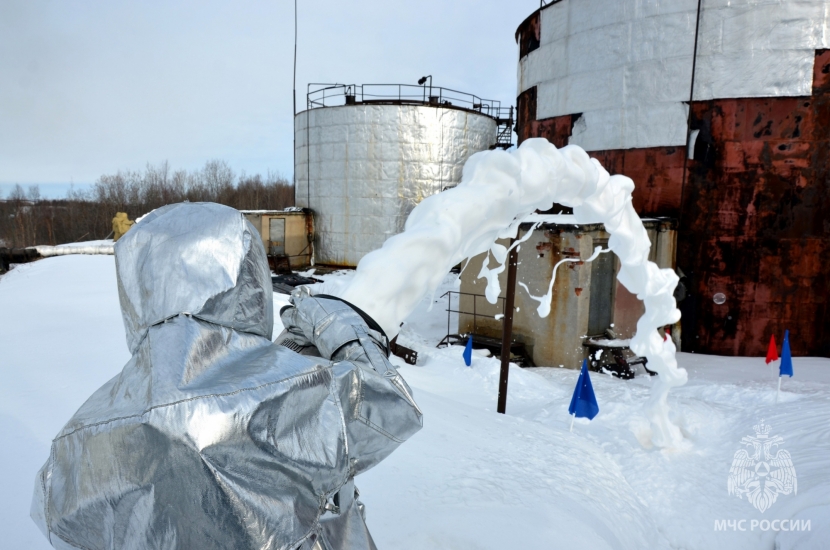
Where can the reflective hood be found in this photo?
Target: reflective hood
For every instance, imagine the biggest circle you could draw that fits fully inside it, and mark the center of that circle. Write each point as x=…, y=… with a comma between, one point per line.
x=202, y=259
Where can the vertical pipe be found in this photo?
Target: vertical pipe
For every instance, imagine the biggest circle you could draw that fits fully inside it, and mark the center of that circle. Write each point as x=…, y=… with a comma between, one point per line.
x=686, y=152
x=441, y=152
x=507, y=329
x=689, y=114
x=295, y=58
x=449, y=312
x=295, y=103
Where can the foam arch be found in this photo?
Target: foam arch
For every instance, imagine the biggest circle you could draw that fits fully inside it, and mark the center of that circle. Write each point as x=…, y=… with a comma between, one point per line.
x=498, y=190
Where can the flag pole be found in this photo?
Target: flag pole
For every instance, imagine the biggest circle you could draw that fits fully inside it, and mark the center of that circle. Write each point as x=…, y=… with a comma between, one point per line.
x=777, y=395
x=572, y=422
x=772, y=352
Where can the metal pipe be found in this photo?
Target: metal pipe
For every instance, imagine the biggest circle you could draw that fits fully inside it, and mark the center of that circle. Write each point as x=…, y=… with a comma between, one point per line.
x=689, y=114
x=294, y=169
x=99, y=249
x=507, y=328
x=449, y=308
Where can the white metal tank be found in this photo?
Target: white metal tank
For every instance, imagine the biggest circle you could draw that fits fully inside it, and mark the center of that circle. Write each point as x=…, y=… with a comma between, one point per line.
x=377, y=154
x=626, y=65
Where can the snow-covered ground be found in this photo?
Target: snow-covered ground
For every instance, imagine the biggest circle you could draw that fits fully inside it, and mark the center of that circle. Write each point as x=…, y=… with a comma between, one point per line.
x=471, y=478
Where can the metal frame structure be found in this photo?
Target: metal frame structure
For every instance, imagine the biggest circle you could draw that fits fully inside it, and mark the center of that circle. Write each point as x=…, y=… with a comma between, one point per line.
x=495, y=345
x=322, y=95
x=450, y=311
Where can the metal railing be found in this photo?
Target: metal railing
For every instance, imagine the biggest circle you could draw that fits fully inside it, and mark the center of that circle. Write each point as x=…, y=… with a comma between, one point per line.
x=504, y=131
x=474, y=313
x=333, y=95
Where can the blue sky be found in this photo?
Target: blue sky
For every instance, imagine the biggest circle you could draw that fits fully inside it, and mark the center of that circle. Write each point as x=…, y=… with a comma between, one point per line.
x=90, y=87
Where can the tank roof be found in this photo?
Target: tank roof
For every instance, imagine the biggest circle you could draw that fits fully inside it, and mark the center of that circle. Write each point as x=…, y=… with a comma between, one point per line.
x=336, y=95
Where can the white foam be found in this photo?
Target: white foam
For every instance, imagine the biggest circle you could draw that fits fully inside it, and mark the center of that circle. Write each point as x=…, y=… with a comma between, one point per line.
x=497, y=191
x=500, y=253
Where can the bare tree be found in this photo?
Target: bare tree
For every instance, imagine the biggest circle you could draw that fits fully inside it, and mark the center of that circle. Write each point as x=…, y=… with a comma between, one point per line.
x=27, y=219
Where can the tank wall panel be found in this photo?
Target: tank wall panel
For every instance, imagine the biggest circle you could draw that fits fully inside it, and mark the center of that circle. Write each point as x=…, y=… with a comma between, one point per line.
x=362, y=168
x=626, y=65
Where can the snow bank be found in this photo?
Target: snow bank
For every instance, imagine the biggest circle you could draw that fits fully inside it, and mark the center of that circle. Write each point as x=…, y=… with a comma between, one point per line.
x=471, y=478
x=62, y=338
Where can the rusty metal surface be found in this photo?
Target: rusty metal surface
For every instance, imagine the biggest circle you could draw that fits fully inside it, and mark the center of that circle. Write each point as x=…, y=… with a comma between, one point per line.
x=756, y=223
x=755, y=216
x=557, y=130
x=657, y=171
x=527, y=35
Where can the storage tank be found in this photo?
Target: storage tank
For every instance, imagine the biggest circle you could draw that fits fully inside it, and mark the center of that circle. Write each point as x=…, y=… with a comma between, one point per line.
x=745, y=169
x=365, y=155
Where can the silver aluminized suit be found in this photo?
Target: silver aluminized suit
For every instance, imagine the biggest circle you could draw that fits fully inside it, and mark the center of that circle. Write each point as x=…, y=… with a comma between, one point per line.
x=212, y=436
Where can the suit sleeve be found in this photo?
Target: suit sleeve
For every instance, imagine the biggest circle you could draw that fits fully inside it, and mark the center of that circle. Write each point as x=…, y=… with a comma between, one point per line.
x=378, y=408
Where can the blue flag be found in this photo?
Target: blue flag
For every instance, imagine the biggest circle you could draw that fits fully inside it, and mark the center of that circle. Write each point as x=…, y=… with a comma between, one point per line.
x=786, y=367
x=584, y=402
x=468, y=352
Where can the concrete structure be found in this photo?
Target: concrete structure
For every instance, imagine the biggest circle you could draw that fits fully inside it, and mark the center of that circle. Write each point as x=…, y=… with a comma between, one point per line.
x=752, y=188
x=285, y=233
x=362, y=165
x=587, y=298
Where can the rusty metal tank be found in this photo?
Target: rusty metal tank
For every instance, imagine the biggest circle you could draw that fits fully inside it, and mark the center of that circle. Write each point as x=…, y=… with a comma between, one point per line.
x=739, y=155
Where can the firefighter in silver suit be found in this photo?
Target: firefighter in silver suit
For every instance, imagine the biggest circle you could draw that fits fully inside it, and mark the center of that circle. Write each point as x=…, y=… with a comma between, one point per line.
x=212, y=436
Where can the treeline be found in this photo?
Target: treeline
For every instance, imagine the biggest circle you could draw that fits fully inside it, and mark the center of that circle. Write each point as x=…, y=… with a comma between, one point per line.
x=26, y=219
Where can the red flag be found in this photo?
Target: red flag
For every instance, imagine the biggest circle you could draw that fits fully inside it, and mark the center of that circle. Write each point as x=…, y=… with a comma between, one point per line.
x=772, y=351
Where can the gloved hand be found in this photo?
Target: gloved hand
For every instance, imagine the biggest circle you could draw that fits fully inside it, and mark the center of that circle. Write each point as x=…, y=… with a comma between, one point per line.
x=327, y=323
x=292, y=322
